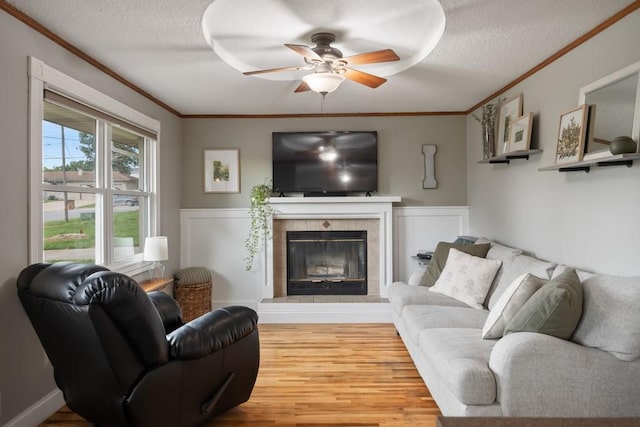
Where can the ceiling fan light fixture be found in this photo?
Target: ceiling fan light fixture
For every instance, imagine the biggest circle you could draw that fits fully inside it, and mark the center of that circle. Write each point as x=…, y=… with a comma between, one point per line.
x=323, y=82
x=329, y=155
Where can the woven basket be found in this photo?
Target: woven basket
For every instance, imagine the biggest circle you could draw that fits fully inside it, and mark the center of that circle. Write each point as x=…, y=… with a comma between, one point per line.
x=194, y=298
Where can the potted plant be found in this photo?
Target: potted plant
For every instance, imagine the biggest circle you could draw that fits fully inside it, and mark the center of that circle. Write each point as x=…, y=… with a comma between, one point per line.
x=488, y=123
x=260, y=213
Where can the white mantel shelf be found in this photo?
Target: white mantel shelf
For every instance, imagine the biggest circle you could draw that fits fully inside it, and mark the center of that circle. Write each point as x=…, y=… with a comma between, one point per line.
x=334, y=207
x=324, y=200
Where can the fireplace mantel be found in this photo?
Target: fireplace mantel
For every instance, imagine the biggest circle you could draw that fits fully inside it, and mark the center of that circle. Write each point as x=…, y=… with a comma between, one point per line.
x=374, y=207
x=333, y=200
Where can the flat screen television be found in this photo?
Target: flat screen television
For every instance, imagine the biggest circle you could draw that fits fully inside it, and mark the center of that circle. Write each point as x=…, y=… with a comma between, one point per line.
x=325, y=163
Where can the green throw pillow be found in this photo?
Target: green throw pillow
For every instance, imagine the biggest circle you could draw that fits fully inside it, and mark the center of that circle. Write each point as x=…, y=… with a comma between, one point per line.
x=555, y=309
x=440, y=255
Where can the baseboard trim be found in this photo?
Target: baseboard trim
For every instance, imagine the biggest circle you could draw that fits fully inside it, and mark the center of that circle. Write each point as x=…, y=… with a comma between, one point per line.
x=39, y=411
x=325, y=313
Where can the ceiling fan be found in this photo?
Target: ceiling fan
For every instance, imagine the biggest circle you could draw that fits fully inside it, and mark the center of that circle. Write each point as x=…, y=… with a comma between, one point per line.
x=329, y=67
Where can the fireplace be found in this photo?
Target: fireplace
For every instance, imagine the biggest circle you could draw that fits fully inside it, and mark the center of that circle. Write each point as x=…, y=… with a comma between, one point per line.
x=326, y=262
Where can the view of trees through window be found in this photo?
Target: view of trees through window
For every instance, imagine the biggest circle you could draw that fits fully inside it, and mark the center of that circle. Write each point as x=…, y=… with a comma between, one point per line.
x=79, y=198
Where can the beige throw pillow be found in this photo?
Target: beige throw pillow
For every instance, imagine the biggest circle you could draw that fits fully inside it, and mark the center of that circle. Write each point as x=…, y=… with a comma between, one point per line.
x=466, y=278
x=439, y=259
x=514, y=297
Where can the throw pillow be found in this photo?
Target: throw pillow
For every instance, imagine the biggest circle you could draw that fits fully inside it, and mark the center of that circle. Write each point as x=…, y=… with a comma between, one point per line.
x=509, y=303
x=555, y=309
x=466, y=278
x=439, y=259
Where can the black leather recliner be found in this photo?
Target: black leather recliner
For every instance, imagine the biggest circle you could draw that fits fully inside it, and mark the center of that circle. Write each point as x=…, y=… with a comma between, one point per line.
x=123, y=357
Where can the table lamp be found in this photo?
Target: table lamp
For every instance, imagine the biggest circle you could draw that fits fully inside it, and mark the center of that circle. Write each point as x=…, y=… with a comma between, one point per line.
x=156, y=249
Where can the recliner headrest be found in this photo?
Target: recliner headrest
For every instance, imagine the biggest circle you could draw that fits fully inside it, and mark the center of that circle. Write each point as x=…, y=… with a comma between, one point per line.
x=59, y=281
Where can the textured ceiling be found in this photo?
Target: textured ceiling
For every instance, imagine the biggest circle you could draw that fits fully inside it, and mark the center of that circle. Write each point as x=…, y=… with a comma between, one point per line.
x=159, y=46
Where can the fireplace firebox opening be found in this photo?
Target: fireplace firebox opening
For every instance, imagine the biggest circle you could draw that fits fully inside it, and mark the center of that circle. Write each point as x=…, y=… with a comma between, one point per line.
x=326, y=262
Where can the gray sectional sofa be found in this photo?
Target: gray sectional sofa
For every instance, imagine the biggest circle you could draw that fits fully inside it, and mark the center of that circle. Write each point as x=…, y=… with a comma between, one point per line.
x=595, y=373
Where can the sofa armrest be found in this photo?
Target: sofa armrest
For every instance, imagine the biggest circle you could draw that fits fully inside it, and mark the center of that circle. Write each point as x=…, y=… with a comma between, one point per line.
x=169, y=310
x=540, y=375
x=211, y=332
x=402, y=294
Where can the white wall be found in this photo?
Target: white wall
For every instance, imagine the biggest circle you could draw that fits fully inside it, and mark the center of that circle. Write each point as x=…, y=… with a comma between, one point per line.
x=586, y=220
x=214, y=238
x=421, y=228
x=25, y=373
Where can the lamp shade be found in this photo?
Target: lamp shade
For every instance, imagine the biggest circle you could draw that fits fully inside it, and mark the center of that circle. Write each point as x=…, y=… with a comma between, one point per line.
x=156, y=248
x=323, y=82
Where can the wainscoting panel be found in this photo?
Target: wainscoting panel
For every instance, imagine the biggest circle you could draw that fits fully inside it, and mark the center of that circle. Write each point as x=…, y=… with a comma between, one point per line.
x=214, y=238
x=421, y=228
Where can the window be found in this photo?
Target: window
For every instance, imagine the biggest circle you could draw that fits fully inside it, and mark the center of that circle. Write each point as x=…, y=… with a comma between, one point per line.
x=93, y=174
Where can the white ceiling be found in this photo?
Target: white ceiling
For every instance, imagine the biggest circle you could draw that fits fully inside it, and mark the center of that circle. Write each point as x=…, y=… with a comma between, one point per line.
x=159, y=46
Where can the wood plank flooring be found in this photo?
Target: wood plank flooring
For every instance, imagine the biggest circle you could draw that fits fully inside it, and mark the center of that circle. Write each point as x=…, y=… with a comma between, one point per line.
x=326, y=375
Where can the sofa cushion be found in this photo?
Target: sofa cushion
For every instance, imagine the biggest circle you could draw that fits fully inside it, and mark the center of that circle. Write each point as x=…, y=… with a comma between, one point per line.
x=418, y=317
x=416, y=277
x=509, y=303
x=466, y=277
x=498, y=251
x=561, y=268
x=610, y=319
x=554, y=309
x=501, y=252
x=440, y=255
x=461, y=358
x=517, y=266
x=401, y=295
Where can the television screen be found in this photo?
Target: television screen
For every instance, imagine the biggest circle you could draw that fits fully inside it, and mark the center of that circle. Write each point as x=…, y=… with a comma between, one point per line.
x=325, y=163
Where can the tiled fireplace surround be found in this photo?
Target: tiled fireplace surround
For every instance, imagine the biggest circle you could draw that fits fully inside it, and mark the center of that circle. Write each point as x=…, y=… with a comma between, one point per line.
x=281, y=226
x=372, y=214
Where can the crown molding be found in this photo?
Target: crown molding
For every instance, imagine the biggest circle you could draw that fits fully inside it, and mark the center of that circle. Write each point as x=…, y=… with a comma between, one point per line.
x=568, y=48
x=16, y=13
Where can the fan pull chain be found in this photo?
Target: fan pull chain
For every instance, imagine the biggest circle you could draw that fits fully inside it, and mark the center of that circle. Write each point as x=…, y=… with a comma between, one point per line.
x=323, y=94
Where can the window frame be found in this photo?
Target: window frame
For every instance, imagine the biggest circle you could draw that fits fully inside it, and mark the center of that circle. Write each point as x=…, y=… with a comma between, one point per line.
x=41, y=77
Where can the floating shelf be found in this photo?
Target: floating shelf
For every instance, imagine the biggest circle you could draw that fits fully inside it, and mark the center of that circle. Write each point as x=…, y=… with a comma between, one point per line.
x=586, y=165
x=507, y=157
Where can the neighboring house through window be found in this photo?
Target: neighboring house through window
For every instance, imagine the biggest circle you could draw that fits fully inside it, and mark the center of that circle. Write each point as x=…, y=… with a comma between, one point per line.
x=93, y=171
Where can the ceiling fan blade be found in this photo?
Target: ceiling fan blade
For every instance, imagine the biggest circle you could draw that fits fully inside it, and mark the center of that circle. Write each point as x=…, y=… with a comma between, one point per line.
x=273, y=70
x=303, y=87
x=305, y=51
x=386, y=55
x=363, y=78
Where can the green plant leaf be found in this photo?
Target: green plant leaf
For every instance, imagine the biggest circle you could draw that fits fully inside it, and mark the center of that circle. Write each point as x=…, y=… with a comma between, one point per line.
x=260, y=214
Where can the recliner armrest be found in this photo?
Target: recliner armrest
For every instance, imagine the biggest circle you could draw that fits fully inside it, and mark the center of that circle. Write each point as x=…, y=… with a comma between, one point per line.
x=169, y=310
x=212, y=332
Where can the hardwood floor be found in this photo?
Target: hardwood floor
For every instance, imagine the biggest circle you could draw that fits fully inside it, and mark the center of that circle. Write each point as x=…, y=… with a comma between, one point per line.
x=326, y=375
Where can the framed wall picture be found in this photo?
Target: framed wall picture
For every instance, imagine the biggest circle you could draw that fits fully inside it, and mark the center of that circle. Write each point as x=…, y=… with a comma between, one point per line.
x=509, y=111
x=520, y=133
x=571, y=135
x=221, y=170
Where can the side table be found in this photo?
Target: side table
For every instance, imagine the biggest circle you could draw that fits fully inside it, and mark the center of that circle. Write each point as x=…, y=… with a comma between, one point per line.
x=156, y=284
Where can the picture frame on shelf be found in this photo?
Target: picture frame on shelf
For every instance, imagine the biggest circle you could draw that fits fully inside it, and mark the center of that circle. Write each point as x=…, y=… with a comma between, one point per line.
x=520, y=133
x=509, y=111
x=572, y=132
x=221, y=170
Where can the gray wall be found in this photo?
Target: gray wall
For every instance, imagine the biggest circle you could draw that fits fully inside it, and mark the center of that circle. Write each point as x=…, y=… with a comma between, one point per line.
x=400, y=140
x=586, y=220
x=25, y=374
